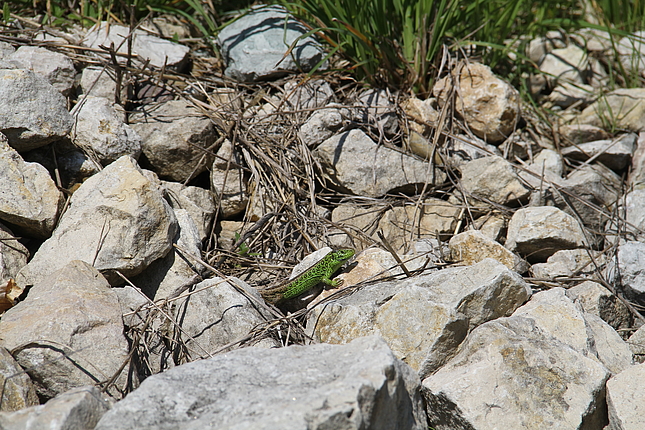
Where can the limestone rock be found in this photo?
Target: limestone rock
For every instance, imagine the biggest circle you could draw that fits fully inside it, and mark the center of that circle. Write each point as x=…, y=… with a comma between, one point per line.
x=620, y=109
x=509, y=374
x=489, y=105
x=199, y=203
x=566, y=65
x=615, y=154
x=39, y=112
x=100, y=129
x=625, y=399
x=335, y=386
x=175, y=138
x=160, y=52
x=85, y=345
x=116, y=220
x=493, y=178
x=472, y=246
x=538, y=232
x=29, y=198
x=18, y=391
x=353, y=163
x=79, y=408
x=55, y=67
x=598, y=300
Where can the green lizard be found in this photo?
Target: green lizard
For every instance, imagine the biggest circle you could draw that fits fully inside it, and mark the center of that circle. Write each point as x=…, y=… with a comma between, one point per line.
x=322, y=271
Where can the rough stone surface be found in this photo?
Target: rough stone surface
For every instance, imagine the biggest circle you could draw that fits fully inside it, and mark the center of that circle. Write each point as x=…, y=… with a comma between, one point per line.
x=100, y=129
x=38, y=112
x=489, y=105
x=174, y=138
x=85, y=344
x=174, y=271
x=18, y=391
x=538, y=232
x=355, y=386
x=598, y=300
x=353, y=163
x=116, y=220
x=628, y=270
x=99, y=82
x=615, y=154
x=322, y=124
x=625, y=399
x=567, y=64
x=216, y=315
x=79, y=408
x=55, y=67
x=621, y=109
x=160, y=52
x=494, y=179
x=581, y=133
x=253, y=45
x=228, y=183
x=472, y=246
x=29, y=198
x=568, y=263
x=509, y=374
x=13, y=255
x=199, y=203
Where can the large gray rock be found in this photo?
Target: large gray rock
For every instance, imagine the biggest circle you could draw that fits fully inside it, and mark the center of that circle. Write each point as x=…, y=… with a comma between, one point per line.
x=424, y=318
x=615, y=154
x=354, y=163
x=160, y=52
x=216, y=315
x=509, y=374
x=199, y=202
x=621, y=109
x=116, y=220
x=55, y=67
x=255, y=45
x=176, y=139
x=100, y=129
x=13, y=255
x=356, y=386
x=598, y=300
x=29, y=198
x=68, y=332
x=538, y=232
x=38, y=111
x=494, y=179
x=79, y=408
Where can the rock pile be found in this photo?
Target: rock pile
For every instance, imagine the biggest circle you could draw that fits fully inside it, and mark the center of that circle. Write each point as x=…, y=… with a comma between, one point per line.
x=506, y=297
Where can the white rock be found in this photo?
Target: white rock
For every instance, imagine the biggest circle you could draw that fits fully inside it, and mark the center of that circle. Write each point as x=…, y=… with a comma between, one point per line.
x=493, y=178
x=625, y=399
x=55, y=67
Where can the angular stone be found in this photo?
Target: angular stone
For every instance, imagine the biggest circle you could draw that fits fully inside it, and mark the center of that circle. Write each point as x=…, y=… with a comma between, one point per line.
x=13, y=255
x=615, y=154
x=509, y=374
x=621, y=109
x=627, y=271
x=566, y=65
x=215, y=316
x=610, y=348
x=350, y=386
x=29, y=198
x=322, y=124
x=163, y=277
x=625, y=399
x=255, y=46
x=85, y=345
x=100, y=129
x=116, y=220
x=55, y=67
x=38, y=112
x=494, y=179
x=99, y=82
x=160, y=52
x=489, y=105
x=18, y=392
x=199, y=203
x=569, y=262
x=598, y=300
x=176, y=139
x=79, y=408
x=575, y=134
x=590, y=184
x=472, y=246
x=538, y=232
x=353, y=163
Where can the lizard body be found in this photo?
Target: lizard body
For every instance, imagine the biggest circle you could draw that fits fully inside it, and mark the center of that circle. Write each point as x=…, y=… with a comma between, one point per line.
x=322, y=271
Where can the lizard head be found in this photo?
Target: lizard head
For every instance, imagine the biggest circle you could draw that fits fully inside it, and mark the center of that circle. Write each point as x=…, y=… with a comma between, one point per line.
x=343, y=254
